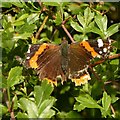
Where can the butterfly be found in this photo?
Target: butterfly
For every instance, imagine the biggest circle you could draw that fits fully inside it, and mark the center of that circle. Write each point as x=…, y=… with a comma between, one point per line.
x=67, y=61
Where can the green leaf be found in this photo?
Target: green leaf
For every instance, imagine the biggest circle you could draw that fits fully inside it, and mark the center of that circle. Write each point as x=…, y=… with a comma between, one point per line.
x=101, y=21
x=44, y=109
x=79, y=107
x=15, y=76
x=88, y=16
x=52, y=3
x=18, y=23
x=112, y=29
x=29, y=106
x=25, y=35
x=90, y=27
x=17, y=3
x=42, y=92
x=32, y=18
x=80, y=37
x=87, y=101
x=97, y=31
x=3, y=109
x=22, y=115
x=114, y=98
x=3, y=81
x=81, y=19
x=76, y=26
x=114, y=62
x=26, y=28
x=72, y=114
x=106, y=101
x=58, y=19
x=22, y=17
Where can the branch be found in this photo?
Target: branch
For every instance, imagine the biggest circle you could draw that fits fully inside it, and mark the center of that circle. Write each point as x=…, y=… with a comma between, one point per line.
x=64, y=28
x=109, y=58
x=41, y=27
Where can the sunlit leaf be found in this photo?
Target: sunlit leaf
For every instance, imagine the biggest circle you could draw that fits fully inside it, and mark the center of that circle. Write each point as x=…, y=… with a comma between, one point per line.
x=76, y=26
x=15, y=76
x=30, y=107
x=87, y=101
x=42, y=92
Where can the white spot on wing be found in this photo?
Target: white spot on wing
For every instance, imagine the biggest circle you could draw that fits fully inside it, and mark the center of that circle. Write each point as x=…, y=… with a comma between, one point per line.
x=100, y=52
x=109, y=41
x=100, y=43
x=28, y=58
x=29, y=49
x=108, y=47
x=104, y=50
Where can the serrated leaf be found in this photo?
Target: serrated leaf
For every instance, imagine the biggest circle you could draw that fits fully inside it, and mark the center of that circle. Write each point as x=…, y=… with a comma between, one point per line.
x=45, y=106
x=42, y=92
x=101, y=21
x=88, y=16
x=114, y=98
x=81, y=19
x=112, y=29
x=30, y=107
x=97, y=31
x=79, y=107
x=104, y=21
x=106, y=101
x=76, y=26
x=15, y=76
x=87, y=101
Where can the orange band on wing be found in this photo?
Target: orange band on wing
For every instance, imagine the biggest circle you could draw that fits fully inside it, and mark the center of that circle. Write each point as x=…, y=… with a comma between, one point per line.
x=82, y=80
x=33, y=60
x=51, y=81
x=89, y=48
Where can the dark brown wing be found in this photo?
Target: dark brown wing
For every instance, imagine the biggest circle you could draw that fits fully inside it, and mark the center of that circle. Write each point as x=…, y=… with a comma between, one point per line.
x=49, y=64
x=79, y=59
x=46, y=59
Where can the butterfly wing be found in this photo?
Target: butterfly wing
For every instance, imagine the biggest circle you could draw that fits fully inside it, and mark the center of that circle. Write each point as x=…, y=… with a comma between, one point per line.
x=79, y=59
x=47, y=62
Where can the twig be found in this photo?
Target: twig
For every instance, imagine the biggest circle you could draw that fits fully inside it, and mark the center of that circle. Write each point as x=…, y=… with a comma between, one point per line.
x=96, y=75
x=41, y=27
x=68, y=33
x=113, y=111
x=64, y=28
x=12, y=112
x=109, y=58
x=10, y=108
x=6, y=99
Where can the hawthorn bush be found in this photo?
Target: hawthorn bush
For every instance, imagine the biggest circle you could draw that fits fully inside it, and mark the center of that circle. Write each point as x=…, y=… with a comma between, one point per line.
x=23, y=95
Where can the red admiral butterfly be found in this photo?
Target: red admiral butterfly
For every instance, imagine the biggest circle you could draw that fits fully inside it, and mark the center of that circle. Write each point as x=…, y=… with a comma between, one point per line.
x=69, y=61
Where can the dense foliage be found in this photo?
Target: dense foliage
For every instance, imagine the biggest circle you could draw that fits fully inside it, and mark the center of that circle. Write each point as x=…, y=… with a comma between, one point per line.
x=23, y=95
